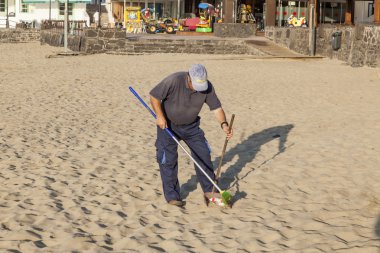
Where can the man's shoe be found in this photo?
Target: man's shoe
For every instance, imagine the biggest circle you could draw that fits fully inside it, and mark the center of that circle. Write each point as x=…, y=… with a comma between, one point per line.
x=178, y=203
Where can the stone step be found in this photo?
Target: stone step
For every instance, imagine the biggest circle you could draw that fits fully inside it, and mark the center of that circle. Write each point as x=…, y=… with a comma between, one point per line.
x=111, y=40
x=260, y=33
x=186, y=46
x=270, y=48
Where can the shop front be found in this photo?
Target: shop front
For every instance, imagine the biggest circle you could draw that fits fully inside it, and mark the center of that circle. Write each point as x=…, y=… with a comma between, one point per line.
x=157, y=9
x=327, y=12
x=332, y=12
x=282, y=13
x=287, y=10
x=242, y=11
x=278, y=12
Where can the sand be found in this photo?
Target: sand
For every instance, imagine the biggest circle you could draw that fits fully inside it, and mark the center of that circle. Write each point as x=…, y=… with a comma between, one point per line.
x=78, y=171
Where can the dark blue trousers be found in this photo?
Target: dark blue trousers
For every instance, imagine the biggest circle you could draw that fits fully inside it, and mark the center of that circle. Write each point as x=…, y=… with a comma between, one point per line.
x=167, y=157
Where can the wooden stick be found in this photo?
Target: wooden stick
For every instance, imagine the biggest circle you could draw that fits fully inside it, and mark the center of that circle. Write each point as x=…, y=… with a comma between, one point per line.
x=224, y=150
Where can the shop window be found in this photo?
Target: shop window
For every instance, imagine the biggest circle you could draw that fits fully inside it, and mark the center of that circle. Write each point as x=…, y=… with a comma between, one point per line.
x=157, y=10
x=2, y=5
x=371, y=9
x=62, y=8
x=25, y=8
x=288, y=9
x=332, y=12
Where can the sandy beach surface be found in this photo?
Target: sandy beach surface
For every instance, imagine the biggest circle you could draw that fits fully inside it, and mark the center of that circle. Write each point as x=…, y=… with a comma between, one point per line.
x=78, y=168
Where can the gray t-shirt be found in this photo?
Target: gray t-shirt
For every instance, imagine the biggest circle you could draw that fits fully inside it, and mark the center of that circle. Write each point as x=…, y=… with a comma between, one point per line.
x=180, y=104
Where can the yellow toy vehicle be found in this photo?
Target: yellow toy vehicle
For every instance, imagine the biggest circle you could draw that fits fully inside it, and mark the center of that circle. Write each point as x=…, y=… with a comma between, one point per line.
x=293, y=21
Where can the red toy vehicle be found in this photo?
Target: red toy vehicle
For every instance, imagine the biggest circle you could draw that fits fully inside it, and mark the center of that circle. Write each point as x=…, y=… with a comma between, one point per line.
x=189, y=22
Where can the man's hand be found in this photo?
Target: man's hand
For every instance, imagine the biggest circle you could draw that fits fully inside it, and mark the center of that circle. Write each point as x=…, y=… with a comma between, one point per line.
x=228, y=132
x=221, y=117
x=161, y=122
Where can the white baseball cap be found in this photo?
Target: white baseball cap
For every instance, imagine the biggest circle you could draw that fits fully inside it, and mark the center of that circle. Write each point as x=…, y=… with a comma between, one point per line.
x=198, y=76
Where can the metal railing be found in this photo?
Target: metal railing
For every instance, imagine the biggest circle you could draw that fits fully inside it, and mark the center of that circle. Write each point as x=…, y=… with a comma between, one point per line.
x=3, y=23
x=26, y=24
x=75, y=27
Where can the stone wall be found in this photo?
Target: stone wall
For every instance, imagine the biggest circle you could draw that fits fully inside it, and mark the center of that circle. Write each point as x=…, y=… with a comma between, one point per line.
x=104, y=40
x=296, y=39
x=117, y=42
x=234, y=30
x=360, y=44
x=324, y=41
x=91, y=41
x=55, y=38
x=366, y=42
x=19, y=35
x=52, y=37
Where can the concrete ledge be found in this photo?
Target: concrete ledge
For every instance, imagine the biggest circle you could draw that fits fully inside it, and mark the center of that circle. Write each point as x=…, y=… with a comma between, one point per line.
x=180, y=33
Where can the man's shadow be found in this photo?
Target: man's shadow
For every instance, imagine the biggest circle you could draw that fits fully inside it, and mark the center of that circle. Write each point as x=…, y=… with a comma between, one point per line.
x=377, y=227
x=246, y=152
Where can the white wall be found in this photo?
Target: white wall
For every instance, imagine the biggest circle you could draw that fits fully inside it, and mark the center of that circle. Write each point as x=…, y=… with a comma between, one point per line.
x=39, y=12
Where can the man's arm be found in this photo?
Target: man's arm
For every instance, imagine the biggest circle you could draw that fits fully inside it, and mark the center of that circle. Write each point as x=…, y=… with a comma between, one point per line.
x=156, y=104
x=221, y=117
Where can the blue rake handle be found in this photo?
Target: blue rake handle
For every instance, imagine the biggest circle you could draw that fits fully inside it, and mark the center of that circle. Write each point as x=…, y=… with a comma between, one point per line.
x=175, y=139
x=148, y=108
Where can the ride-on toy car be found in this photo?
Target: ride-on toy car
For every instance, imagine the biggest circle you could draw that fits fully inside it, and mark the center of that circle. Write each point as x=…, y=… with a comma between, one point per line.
x=206, y=12
x=168, y=25
x=293, y=21
x=188, y=22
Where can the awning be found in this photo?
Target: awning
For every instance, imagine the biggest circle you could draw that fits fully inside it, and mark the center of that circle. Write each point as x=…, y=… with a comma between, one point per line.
x=47, y=1
x=333, y=1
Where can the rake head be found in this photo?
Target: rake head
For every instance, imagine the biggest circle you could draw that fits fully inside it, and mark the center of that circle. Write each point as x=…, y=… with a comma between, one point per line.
x=226, y=197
